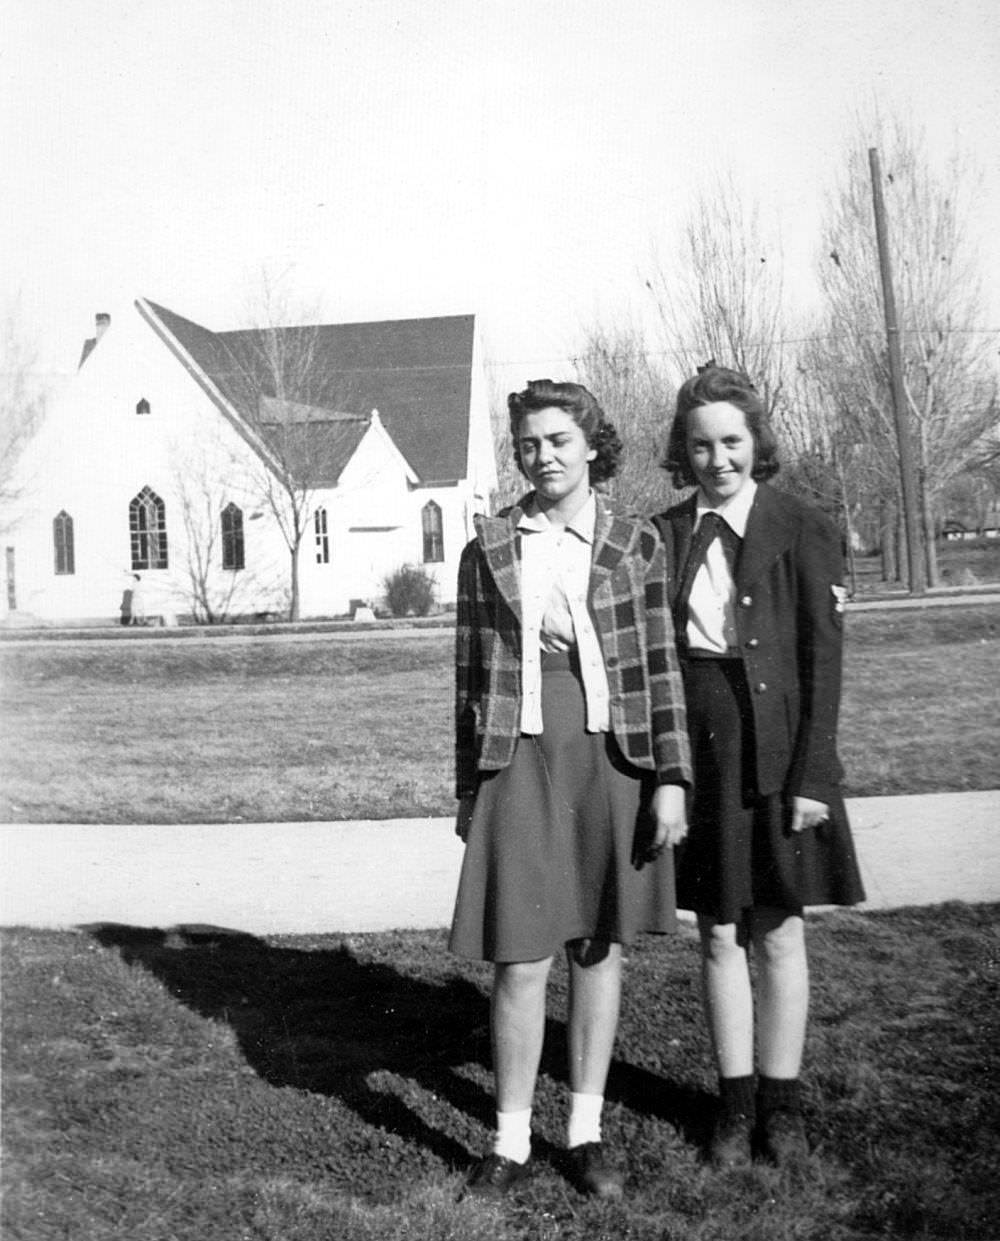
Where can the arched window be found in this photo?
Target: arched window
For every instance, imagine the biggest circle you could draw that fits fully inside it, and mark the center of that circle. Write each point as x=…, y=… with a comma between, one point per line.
x=62, y=539
x=433, y=532
x=147, y=525
x=322, y=537
x=232, y=537
x=142, y=407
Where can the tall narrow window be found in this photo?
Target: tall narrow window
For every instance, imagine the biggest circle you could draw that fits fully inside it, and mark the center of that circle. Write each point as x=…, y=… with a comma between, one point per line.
x=232, y=537
x=62, y=540
x=147, y=525
x=322, y=537
x=433, y=532
x=11, y=579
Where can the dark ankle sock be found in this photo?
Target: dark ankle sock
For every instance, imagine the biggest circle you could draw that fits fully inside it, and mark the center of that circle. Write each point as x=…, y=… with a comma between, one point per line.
x=778, y=1094
x=736, y=1096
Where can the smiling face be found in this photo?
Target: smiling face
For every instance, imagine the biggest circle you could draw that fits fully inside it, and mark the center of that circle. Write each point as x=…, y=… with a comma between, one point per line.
x=720, y=448
x=555, y=457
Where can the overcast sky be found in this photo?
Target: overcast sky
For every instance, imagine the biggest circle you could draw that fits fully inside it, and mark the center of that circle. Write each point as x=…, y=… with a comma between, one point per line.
x=516, y=158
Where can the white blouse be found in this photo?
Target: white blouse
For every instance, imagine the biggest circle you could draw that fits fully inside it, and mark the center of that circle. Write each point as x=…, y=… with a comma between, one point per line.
x=711, y=622
x=555, y=579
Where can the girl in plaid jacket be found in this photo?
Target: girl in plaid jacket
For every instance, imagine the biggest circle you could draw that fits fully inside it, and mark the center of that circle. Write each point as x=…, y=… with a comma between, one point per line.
x=572, y=764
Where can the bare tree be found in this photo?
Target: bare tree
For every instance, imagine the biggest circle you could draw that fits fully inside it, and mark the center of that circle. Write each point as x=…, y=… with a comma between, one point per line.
x=296, y=402
x=637, y=397
x=820, y=461
x=510, y=482
x=721, y=295
x=951, y=389
x=718, y=296
x=214, y=508
x=974, y=497
x=22, y=402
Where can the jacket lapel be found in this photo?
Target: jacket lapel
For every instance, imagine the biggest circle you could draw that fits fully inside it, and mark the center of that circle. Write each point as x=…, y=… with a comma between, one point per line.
x=769, y=531
x=501, y=546
x=684, y=528
x=613, y=537
x=681, y=529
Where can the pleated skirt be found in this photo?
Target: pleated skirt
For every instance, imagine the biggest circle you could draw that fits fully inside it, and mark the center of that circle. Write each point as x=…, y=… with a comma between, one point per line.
x=740, y=852
x=555, y=845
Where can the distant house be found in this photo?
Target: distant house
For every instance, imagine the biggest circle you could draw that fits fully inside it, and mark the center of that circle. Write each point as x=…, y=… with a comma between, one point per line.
x=170, y=456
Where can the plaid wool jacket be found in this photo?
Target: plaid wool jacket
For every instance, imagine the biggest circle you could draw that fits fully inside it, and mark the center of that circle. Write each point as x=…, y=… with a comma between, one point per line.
x=628, y=602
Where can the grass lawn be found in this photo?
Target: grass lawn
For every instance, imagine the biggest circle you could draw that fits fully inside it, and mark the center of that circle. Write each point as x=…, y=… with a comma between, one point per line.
x=269, y=728
x=227, y=730
x=192, y=1085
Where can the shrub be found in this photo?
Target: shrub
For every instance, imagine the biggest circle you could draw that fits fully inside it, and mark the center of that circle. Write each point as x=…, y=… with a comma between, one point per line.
x=409, y=591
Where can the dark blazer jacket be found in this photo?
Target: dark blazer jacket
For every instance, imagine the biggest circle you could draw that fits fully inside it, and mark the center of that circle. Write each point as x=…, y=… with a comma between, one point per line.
x=789, y=618
x=628, y=601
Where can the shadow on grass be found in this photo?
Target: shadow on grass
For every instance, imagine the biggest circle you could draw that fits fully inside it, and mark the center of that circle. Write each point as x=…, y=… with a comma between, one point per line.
x=331, y=1022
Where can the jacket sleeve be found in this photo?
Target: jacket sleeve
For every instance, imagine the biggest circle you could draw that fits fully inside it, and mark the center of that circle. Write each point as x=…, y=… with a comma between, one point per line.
x=468, y=672
x=815, y=769
x=668, y=711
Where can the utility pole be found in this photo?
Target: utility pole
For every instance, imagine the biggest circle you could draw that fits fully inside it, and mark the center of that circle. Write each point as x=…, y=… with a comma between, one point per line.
x=911, y=520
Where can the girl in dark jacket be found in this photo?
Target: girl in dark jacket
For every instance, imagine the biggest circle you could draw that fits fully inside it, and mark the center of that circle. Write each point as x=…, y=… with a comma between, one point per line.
x=758, y=613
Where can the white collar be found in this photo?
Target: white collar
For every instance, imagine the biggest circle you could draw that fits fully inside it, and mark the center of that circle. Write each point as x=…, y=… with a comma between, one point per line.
x=735, y=511
x=583, y=523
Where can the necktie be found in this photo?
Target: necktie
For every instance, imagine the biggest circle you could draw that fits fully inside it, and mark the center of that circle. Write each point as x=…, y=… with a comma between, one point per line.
x=711, y=527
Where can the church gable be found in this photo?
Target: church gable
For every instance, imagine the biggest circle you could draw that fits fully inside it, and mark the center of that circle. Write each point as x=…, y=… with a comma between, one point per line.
x=416, y=372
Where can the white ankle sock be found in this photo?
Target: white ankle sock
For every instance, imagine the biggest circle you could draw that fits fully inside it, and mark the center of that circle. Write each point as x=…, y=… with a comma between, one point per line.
x=513, y=1136
x=584, y=1119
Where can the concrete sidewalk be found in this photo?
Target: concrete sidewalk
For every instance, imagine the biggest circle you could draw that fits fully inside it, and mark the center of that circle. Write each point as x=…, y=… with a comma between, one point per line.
x=324, y=877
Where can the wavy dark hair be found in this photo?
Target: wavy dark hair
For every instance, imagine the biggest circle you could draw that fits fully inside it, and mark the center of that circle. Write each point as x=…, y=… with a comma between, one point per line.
x=583, y=408
x=719, y=383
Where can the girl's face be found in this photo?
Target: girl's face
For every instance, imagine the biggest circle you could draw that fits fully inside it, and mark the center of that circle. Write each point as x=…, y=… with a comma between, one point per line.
x=720, y=449
x=555, y=457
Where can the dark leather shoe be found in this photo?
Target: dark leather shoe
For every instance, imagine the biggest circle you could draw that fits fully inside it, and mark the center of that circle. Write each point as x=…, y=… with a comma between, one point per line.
x=730, y=1144
x=590, y=1172
x=493, y=1176
x=781, y=1138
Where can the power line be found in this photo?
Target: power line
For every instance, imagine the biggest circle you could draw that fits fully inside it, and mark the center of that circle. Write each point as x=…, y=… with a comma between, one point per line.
x=576, y=354
x=794, y=340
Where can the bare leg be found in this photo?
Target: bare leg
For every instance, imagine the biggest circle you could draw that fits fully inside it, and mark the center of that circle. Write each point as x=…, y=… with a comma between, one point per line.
x=595, y=983
x=517, y=1021
x=725, y=974
x=779, y=941
x=518, y=1028
x=783, y=990
x=595, y=977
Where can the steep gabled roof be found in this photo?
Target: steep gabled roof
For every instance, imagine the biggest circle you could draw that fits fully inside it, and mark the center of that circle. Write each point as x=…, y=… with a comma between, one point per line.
x=314, y=443
x=416, y=372
x=318, y=452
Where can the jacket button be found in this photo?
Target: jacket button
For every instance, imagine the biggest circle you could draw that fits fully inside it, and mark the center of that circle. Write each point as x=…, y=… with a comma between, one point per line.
x=746, y=601
x=613, y=661
x=752, y=643
x=761, y=687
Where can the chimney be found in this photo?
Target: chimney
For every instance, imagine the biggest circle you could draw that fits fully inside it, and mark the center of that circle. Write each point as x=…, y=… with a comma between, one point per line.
x=102, y=323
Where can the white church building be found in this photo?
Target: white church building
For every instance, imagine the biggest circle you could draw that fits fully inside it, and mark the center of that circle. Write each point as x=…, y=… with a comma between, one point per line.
x=185, y=462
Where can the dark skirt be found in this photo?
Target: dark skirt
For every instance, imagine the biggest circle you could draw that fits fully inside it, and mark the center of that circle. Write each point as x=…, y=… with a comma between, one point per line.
x=552, y=851
x=740, y=852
